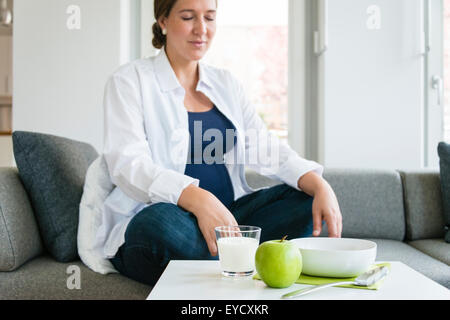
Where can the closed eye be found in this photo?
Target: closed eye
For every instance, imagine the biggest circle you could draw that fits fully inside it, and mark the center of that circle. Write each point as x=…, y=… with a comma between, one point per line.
x=187, y=19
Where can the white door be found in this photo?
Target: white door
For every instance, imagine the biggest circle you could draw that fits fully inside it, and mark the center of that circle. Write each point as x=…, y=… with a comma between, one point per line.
x=372, y=109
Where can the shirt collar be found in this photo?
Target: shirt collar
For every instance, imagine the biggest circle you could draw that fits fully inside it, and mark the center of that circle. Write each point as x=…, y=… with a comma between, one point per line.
x=167, y=78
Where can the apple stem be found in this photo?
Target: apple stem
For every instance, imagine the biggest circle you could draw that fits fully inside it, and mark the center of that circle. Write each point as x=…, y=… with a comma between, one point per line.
x=284, y=238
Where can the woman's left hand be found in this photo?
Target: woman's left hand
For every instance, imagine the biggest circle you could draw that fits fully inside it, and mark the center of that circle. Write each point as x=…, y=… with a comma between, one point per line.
x=325, y=207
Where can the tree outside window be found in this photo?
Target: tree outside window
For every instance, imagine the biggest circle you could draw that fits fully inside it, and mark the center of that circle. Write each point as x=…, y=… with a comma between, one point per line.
x=252, y=43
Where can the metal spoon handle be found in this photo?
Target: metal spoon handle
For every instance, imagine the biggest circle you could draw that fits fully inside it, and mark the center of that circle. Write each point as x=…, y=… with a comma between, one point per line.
x=301, y=292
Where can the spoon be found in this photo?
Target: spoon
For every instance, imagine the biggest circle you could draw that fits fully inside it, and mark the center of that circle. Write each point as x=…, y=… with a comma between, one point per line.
x=366, y=279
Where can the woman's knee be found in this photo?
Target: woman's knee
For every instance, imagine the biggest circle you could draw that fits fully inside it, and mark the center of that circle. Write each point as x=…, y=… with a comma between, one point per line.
x=170, y=228
x=139, y=263
x=299, y=206
x=295, y=193
x=153, y=220
x=300, y=198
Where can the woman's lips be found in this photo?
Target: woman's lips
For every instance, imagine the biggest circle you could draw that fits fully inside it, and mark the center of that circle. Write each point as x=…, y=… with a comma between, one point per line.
x=197, y=44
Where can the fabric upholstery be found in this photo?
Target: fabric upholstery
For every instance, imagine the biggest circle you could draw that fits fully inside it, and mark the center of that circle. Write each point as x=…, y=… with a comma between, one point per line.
x=389, y=250
x=436, y=248
x=53, y=170
x=444, y=163
x=45, y=279
x=370, y=201
x=19, y=234
x=423, y=205
x=257, y=181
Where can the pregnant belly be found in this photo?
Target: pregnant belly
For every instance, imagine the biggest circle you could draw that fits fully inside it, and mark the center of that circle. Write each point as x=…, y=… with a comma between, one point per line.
x=214, y=178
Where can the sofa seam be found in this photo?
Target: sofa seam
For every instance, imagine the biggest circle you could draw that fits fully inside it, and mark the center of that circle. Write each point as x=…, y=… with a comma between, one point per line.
x=402, y=176
x=8, y=233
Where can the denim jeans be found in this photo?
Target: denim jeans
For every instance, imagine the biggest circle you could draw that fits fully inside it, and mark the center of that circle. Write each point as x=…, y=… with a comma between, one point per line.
x=164, y=231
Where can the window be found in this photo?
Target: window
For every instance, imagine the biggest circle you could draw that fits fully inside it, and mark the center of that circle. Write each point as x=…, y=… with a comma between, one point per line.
x=252, y=43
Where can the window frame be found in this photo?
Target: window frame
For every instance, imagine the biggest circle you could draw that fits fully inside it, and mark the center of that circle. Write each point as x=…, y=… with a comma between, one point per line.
x=434, y=66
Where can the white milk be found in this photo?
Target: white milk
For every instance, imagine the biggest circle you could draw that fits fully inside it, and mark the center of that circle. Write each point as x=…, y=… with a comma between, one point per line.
x=237, y=254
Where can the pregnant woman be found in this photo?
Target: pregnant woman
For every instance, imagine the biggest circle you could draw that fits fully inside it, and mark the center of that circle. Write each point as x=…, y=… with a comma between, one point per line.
x=178, y=136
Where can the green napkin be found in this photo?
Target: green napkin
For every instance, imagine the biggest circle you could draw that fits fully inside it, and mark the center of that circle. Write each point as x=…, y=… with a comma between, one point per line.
x=305, y=279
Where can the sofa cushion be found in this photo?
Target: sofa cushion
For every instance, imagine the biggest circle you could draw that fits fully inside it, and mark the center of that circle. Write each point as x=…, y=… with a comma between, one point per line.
x=436, y=248
x=53, y=170
x=19, y=234
x=45, y=279
x=444, y=163
x=258, y=181
x=389, y=250
x=423, y=204
x=371, y=202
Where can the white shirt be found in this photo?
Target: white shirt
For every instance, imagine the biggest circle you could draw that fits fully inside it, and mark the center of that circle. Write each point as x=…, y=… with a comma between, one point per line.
x=146, y=141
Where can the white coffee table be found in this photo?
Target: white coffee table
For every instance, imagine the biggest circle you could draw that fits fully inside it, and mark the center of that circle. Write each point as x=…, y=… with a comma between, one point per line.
x=202, y=280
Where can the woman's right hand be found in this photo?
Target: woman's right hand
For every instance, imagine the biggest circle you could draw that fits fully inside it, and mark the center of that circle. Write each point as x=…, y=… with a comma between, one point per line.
x=209, y=211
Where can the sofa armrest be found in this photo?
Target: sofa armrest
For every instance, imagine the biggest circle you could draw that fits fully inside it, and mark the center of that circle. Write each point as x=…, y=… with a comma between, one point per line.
x=19, y=234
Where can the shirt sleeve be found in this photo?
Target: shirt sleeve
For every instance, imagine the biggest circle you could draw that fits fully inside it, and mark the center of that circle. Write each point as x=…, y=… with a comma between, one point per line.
x=126, y=149
x=266, y=153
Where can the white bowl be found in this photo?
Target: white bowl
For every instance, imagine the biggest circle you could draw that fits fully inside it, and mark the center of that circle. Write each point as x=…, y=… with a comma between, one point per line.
x=336, y=257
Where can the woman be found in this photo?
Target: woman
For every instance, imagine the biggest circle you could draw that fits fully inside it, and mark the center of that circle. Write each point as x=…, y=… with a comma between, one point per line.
x=170, y=195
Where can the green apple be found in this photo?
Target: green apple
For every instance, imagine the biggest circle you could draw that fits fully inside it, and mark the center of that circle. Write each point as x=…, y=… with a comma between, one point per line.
x=278, y=263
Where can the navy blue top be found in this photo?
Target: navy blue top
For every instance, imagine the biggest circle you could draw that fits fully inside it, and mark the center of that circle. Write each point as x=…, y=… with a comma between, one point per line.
x=205, y=158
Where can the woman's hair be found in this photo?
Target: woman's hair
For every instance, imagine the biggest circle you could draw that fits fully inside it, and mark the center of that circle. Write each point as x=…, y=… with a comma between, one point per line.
x=161, y=8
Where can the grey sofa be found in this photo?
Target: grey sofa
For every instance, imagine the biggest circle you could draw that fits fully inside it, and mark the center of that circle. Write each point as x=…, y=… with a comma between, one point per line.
x=400, y=210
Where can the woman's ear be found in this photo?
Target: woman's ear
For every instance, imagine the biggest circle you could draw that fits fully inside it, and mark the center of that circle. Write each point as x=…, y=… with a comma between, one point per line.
x=162, y=23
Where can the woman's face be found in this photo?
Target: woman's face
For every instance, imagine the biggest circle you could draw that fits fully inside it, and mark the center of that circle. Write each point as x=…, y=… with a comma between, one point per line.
x=190, y=27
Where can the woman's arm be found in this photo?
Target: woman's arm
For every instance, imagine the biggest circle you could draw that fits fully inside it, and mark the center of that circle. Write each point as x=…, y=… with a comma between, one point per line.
x=325, y=204
x=126, y=150
x=209, y=211
x=286, y=165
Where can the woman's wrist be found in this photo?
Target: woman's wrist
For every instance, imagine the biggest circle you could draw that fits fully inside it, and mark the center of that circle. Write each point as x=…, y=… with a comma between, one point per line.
x=312, y=183
x=192, y=197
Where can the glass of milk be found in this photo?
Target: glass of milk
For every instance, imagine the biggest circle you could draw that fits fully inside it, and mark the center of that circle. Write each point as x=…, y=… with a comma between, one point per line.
x=237, y=248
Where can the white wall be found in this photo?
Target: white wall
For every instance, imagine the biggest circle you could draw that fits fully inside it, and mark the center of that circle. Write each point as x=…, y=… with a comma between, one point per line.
x=59, y=74
x=147, y=20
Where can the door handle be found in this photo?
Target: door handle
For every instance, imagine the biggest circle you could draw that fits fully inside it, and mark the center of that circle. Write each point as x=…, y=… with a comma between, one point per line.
x=438, y=84
x=321, y=36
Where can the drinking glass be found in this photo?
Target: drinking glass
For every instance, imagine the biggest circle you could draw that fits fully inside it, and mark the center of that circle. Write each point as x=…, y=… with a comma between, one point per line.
x=237, y=248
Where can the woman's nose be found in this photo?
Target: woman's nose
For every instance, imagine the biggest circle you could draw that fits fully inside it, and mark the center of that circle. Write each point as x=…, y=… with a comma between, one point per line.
x=200, y=27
